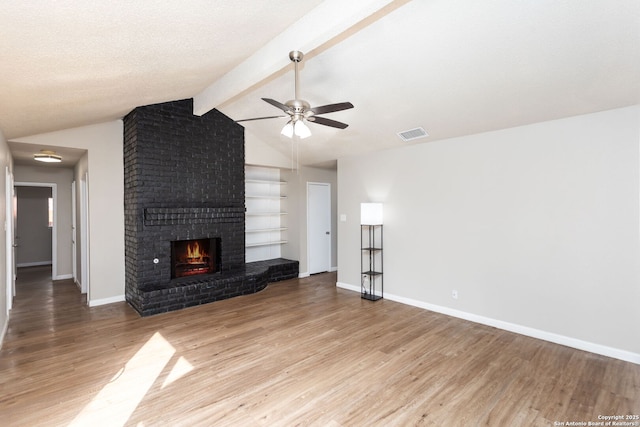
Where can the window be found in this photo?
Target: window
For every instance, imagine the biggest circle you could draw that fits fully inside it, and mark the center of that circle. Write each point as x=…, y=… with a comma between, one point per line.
x=50, y=201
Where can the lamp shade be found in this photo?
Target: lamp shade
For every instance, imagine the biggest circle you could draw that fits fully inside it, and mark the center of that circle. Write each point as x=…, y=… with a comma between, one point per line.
x=371, y=213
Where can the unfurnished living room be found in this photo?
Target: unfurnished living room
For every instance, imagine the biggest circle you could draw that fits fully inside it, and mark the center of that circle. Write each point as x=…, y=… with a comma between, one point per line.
x=328, y=213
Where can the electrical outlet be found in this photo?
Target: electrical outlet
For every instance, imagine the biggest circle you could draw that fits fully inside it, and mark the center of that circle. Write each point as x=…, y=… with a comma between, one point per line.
x=454, y=294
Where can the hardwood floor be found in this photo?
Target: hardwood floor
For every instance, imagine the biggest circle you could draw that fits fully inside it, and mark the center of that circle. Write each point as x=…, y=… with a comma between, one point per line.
x=301, y=352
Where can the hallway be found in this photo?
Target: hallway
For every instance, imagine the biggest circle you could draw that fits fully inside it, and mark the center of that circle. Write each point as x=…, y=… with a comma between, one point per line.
x=42, y=305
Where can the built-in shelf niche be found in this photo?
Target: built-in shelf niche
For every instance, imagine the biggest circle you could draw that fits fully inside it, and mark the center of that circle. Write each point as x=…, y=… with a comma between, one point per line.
x=266, y=211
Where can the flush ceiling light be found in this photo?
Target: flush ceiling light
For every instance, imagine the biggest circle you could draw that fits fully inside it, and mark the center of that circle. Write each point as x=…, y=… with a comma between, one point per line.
x=47, y=156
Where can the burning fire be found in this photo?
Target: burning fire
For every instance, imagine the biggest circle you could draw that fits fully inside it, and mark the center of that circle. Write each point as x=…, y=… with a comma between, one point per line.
x=191, y=257
x=194, y=252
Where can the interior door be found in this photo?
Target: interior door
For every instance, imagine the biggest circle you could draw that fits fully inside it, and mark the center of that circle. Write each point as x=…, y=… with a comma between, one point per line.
x=319, y=227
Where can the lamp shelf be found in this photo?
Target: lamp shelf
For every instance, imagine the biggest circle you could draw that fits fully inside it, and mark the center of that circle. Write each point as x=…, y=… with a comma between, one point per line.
x=371, y=297
x=371, y=271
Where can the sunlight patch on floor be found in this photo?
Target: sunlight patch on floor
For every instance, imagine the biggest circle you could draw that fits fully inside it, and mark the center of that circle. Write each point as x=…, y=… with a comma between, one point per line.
x=181, y=368
x=115, y=403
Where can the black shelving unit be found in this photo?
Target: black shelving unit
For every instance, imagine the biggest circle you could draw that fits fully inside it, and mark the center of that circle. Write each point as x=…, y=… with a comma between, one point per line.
x=371, y=262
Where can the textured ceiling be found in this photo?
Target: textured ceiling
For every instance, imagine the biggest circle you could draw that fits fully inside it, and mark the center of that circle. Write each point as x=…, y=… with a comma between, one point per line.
x=452, y=67
x=68, y=63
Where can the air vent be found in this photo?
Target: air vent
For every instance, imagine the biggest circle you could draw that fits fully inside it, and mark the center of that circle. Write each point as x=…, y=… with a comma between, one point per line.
x=411, y=134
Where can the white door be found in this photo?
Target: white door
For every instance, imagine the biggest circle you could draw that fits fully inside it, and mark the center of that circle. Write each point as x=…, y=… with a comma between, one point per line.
x=319, y=227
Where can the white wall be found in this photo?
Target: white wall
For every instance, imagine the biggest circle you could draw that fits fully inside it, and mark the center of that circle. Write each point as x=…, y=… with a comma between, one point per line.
x=62, y=177
x=257, y=152
x=536, y=227
x=297, y=218
x=104, y=143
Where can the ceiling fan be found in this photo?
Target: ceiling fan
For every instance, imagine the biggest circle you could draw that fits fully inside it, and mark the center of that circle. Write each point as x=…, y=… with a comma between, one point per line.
x=299, y=110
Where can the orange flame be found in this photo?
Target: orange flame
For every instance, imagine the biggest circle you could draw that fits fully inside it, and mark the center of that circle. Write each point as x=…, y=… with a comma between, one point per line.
x=195, y=253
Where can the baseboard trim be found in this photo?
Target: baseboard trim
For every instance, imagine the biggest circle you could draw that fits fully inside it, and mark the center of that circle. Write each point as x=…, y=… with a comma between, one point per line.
x=33, y=264
x=104, y=301
x=63, y=277
x=603, y=350
x=307, y=274
x=348, y=287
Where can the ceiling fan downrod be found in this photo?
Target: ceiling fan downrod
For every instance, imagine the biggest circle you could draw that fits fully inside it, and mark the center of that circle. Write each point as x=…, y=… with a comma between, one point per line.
x=296, y=56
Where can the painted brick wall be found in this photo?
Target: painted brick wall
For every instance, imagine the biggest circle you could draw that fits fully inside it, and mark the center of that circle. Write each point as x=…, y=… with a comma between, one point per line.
x=184, y=179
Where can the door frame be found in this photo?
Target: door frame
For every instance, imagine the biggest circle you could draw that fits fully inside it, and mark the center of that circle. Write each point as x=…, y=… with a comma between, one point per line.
x=74, y=220
x=84, y=237
x=328, y=212
x=54, y=229
x=10, y=265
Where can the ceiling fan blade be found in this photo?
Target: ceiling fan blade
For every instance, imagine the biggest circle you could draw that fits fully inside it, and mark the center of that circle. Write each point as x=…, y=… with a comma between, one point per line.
x=277, y=104
x=259, y=118
x=330, y=108
x=327, y=122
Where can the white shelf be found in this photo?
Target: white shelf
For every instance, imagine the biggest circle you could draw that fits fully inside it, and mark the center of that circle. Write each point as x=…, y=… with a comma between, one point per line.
x=254, y=196
x=265, y=213
x=264, y=181
x=266, y=203
x=265, y=230
x=255, y=245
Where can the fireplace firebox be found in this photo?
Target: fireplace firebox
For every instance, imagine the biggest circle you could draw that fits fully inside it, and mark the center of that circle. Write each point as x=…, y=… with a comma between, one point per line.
x=194, y=257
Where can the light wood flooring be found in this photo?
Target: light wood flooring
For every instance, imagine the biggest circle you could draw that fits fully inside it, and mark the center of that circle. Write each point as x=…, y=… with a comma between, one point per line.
x=301, y=352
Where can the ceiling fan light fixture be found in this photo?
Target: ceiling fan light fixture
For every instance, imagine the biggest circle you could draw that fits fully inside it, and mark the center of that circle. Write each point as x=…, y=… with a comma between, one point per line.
x=47, y=156
x=300, y=110
x=287, y=130
x=301, y=130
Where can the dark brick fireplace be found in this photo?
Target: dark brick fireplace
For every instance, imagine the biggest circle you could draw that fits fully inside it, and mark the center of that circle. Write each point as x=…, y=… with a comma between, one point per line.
x=184, y=181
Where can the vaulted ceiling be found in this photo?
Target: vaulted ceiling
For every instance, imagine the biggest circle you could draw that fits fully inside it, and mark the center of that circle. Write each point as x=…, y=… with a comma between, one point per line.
x=453, y=67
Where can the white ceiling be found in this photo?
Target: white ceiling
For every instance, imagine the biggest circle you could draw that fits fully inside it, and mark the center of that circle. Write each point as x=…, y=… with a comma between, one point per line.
x=454, y=67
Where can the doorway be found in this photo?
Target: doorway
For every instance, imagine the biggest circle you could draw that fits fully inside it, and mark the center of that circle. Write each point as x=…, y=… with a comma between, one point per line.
x=36, y=225
x=318, y=227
